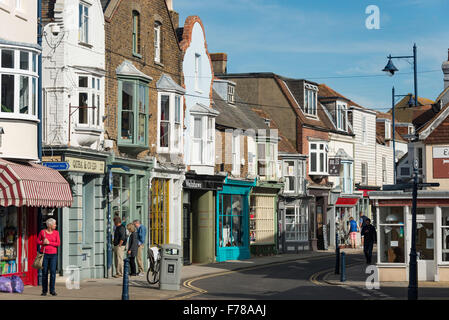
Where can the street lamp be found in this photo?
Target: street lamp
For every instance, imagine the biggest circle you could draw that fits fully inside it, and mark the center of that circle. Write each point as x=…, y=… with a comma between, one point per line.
x=391, y=69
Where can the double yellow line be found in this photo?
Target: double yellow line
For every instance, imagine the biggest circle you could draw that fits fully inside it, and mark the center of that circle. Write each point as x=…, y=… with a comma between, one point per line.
x=199, y=291
x=314, y=277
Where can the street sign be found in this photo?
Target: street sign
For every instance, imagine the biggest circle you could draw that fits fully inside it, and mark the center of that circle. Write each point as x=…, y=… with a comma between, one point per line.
x=334, y=166
x=57, y=165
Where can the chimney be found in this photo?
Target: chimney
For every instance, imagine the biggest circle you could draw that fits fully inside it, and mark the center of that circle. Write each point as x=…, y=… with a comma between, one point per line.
x=169, y=4
x=220, y=62
x=445, y=68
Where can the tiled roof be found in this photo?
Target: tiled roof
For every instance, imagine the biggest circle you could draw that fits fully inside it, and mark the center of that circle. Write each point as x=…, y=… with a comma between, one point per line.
x=325, y=92
x=404, y=102
x=104, y=4
x=431, y=120
x=419, y=116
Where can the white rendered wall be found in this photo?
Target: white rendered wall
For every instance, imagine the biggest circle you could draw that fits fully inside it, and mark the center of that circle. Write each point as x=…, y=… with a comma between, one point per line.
x=340, y=142
x=18, y=25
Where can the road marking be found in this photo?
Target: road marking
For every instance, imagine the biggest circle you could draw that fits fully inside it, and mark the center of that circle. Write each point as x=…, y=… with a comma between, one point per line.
x=199, y=291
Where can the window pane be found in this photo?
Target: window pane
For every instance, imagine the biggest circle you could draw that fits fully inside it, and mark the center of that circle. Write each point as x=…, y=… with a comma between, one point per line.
x=177, y=109
x=83, y=82
x=34, y=97
x=24, y=60
x=165, y=130
x=322, y=162
x=313, y=164
x=142, y=98
x=392, y=215
x=142, y=126
x=34, y=62
x=127, y=110
x=7, y=93
x=313, y=146
x=197, y=132
x=392, y=244
x=7, y=58
x=24, y=95
x=82, y=112
x=98, y=110
x=165, y=108
x=445, y=233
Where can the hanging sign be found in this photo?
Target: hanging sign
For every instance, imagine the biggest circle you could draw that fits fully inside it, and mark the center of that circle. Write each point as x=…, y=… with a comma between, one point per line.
x=441, y=162
x=334, y=166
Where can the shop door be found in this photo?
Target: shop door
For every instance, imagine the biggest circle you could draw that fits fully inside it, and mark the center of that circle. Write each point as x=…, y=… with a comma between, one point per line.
x=186, y=233
x=425, y=251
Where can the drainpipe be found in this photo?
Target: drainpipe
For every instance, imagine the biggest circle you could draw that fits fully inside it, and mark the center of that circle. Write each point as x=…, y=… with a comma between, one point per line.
x=39, y=81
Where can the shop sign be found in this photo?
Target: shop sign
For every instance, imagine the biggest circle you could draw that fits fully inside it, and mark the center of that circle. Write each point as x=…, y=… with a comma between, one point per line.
x=441, y=162
x=85, y=165
x=334, y=166
x=51, y=159
x=193, y=184
x=202, y=185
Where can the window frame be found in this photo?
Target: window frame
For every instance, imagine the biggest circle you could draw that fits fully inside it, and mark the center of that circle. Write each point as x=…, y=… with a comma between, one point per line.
x=157, y=42
x=94, y=101
x=235, y=153
x=310, y=95
x=137, y=84
x=381, y=226
x=137, y=43
x=269, y=159
x=341, y=116
x=83, y=28
x=387, y=130
x=364, y=177
x=318, y=152
x=231, y=93
x=171, y=148
x=300, y=211
x=443, y=229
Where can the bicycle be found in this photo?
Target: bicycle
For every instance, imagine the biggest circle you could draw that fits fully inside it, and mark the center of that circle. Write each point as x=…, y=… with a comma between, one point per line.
x=153, y=273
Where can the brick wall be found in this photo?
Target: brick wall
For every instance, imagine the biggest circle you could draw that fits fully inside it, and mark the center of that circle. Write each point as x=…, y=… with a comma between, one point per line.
x=118, y=28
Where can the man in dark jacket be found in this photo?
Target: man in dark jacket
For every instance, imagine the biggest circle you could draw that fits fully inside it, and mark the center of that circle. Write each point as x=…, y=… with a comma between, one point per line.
x=370, y=237
x=119, y=246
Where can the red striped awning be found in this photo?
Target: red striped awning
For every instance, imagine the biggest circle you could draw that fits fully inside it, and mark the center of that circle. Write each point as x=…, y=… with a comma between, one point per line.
x=346, y=201
x=32, y=185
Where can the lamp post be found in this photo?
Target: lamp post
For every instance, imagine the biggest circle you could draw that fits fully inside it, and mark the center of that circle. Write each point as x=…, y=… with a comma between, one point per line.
x=110, y=184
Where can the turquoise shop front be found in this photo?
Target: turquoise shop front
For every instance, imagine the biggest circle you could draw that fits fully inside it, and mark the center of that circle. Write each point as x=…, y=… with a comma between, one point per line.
x=233, y=220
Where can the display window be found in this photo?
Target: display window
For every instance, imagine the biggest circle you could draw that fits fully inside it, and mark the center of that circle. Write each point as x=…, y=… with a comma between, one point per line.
x=262, y=225
x=231, y=220
x=391, y=231
x=296, y=223
x=445, y=234
x=9, y=228
x=121, y=196
x=159, y=212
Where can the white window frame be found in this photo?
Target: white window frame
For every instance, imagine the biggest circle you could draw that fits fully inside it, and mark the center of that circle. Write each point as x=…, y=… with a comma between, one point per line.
x=321, y=149
x=290, y=173
x=173, y=139
x=364, y=173
x=269, y=159
x=16, y=72
x=235, y=153
x=157, y=42
x=384, y=170
x=341, y=116
x=387, y=130
x=231, y=93
x=200, y=141
x=302, y=234
x=83, y=27
x=210, y=140
x=364, y=129
x=387, y=225
x=411, y=129
x=94, y=101
x=310, y=102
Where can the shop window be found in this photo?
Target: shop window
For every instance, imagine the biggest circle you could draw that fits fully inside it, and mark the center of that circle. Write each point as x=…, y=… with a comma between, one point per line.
x=9, y=240
x=262, y=219
x=121, y=199
x=159, y=212
x=231, y=221
x=392, y=239
x=445, y=234
x=289, y=175
x=296, y=225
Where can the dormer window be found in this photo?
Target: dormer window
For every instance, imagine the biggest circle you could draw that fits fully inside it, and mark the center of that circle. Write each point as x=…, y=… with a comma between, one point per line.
x=387, y=130
x=411, y=129
x=231, y=95
x=341, y=116
x=310, y=102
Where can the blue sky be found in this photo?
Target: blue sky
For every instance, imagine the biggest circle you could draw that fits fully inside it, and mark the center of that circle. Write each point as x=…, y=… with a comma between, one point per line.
x=324, y=39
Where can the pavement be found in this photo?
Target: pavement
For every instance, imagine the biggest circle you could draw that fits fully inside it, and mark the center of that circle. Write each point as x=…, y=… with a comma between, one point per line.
x=139, y=289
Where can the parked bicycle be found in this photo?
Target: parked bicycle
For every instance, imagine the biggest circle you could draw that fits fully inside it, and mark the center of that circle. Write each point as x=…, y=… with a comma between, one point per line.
x=153, y=273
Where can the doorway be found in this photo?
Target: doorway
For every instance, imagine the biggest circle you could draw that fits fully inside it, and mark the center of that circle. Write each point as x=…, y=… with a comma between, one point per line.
x=425, y=250
x=186, y=233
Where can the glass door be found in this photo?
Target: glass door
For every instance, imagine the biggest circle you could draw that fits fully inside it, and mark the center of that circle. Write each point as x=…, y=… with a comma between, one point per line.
x=425, y=250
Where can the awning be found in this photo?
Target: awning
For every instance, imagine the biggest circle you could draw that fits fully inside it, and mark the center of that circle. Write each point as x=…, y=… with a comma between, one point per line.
x=346, y=201
x=32, y=185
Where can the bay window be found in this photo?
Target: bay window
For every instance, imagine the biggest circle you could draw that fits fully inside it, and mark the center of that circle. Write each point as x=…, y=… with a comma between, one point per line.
x=197, y=140
x=391, y=230
x=289, y=175
x=266, y=159
x=318, y=158
x=89, y=101
x=18, y=83
x=170, y=122
x=133, y=112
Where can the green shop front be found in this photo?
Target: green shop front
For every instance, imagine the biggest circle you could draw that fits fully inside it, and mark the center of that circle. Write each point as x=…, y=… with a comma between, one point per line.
x=232, y=220
x=128, y=188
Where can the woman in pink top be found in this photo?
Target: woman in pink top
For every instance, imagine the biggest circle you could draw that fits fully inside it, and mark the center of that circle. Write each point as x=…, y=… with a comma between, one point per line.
x=49, y=241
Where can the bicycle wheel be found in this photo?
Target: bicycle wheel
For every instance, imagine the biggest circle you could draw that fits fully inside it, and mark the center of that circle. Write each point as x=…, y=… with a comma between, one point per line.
x=153, y=274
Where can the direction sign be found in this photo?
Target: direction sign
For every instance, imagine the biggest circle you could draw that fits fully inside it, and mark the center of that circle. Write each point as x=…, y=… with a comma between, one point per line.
x=57, y=165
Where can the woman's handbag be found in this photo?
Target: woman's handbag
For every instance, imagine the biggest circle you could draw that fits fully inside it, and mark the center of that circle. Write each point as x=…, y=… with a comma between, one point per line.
x=39, y=260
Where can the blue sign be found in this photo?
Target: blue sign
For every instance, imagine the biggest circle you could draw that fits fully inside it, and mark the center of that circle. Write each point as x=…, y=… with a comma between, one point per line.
x=57, y=165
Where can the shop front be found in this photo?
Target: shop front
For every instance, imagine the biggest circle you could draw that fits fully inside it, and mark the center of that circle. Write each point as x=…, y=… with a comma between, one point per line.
x=263, y=218
x=364, y=204
x=82, y=223
x=345, y=208
x=198, y=217
x=318, y=223
x=394, y=231
x=26, y=187
x=232, y=220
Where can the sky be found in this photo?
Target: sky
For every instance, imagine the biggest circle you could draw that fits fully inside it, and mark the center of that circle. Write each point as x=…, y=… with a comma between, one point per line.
x=327, y=41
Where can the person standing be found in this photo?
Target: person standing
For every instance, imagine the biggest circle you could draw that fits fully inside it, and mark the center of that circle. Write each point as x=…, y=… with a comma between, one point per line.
x=132, y=248
x=353, y=229
x=119, y=246
x=370, y=235
x=362, y=223
x=49, y=241
x=141, y=236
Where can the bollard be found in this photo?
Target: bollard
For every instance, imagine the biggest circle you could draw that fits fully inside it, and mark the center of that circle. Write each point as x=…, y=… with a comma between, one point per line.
x=337, y=260
x=343, y=267
x=125, y=295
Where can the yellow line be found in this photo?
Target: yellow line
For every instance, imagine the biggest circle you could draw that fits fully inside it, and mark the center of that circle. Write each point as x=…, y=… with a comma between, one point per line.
x=313, y=278
x=199, y=291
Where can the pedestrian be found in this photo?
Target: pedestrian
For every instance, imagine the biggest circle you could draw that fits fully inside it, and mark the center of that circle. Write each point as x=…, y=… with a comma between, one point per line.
x=49, y=241
x=370, y=235
x=141, y=236
x=353, y=229
x=362, y=223
x=119, y=246
x=132, y=248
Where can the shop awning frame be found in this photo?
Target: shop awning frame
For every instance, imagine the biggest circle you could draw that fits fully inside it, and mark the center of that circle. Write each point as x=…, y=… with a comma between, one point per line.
x=32, y=185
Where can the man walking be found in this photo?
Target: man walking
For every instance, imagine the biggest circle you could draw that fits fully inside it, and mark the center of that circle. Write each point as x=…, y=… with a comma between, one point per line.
x=370, y=235
x=362, y=223
x=119, y=246
x=141, y=235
